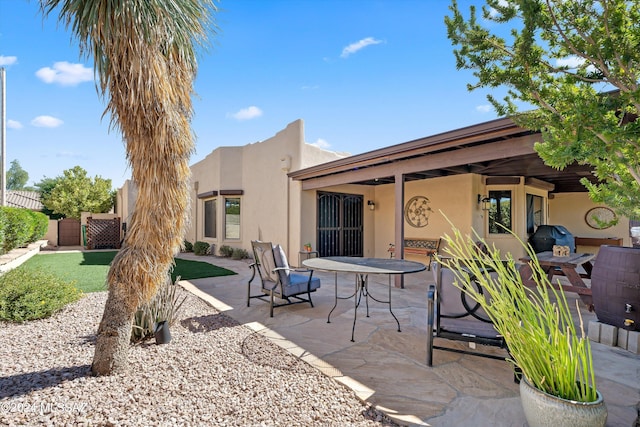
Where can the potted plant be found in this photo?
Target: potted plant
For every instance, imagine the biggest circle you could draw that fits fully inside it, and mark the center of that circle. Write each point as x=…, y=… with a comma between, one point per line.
x=554, y=355
x=307, y=247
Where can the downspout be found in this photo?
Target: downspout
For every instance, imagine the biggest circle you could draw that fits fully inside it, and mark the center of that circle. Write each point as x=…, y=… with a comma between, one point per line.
x=195, y=230
x=285, y=166
x=288, y=214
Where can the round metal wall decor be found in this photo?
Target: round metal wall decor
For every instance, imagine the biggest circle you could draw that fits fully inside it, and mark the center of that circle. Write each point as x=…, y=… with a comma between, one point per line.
x=600, y=217
x=417, y=211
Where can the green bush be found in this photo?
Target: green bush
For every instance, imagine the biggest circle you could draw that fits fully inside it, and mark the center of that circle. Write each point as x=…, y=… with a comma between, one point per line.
x=226, y=251
x=201, y=248
x=163, y=306
x=239, y=253
x=188, y=246
x=40, y=225
x=19, y=228
x=3, y=227
x=27, y=294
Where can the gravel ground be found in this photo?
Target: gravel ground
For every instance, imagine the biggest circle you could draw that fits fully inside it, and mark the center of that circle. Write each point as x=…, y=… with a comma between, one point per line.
x=213, y=372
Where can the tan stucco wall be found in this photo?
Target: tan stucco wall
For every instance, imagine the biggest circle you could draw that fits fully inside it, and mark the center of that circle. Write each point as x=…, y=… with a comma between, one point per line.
x=273, y=207
x=125, y=201
x=569, y=210
x=52, y=232
x=450, y=197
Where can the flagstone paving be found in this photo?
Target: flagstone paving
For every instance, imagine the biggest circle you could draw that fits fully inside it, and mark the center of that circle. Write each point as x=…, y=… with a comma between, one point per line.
x=387, y=368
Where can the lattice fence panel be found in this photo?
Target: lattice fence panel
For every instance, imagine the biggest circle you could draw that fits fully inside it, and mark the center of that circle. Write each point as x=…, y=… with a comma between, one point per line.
x=103, y=233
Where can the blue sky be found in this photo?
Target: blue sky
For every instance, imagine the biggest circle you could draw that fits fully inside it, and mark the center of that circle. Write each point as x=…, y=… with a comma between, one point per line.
x=362, y=74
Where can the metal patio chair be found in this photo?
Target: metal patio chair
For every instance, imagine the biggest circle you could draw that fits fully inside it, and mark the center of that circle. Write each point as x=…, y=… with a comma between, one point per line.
x=277, y=279
x=452, y=315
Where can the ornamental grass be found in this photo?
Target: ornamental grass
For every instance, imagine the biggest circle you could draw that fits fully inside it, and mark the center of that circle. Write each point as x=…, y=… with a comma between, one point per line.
x=536, y=322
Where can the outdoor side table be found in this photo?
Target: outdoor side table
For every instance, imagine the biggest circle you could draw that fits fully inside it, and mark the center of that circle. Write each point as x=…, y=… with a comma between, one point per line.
x=303, y=255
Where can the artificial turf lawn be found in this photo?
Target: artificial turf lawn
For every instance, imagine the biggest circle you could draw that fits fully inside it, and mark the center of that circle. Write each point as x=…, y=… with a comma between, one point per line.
x=88, y=270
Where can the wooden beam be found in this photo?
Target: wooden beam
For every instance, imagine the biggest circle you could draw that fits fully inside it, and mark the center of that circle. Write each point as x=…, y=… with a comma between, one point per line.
x=538, y=183
x=493, y=130
x=207, y=194
x=502, y=180
x=513, y=147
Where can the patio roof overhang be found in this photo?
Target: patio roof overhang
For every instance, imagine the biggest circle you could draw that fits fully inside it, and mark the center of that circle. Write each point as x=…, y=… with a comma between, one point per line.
x=498, y=148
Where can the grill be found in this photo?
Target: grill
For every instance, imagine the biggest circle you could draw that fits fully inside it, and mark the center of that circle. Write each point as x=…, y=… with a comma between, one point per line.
x=548, y=235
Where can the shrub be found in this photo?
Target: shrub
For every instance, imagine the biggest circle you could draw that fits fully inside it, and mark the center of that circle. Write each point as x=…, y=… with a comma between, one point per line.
x=40, y=225
x=553, y=352
x=3, y=227
x=164, y=306
x=19, y=228
x=188, y=246
x=239, y=253
x=226, y=251
x=201, y=248
x=27, y=294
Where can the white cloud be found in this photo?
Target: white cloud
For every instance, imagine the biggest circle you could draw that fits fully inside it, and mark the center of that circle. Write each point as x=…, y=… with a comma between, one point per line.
x=8, y=60
x=494, y=12
x=354, y=47
x=46, y=122
x=321, y=143
x=247, y=113
x=570, y=62
x=486, y=108
x=13, y=124
x=70, y=154
x=65, y=74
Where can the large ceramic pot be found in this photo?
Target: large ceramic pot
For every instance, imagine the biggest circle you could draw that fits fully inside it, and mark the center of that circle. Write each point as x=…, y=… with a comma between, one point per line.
x=615, y=285
x=542, y=409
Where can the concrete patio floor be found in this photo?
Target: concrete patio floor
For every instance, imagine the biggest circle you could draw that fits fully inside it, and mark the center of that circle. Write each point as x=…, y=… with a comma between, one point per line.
x=387, y=368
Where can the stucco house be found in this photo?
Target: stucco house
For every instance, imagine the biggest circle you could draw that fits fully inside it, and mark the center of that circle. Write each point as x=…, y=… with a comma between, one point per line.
x=287, y=191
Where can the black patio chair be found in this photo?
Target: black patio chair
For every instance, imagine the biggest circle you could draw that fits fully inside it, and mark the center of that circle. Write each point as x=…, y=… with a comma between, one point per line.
x=277, y=279
x=453, y=315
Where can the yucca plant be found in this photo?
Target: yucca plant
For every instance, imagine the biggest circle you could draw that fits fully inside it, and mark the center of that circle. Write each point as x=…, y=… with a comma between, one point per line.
x=553, y=354
x=164, y=306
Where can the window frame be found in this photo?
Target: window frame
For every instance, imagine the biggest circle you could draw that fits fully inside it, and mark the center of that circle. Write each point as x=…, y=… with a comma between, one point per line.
x=214, y=218
x=226, y=217
x=494, y=196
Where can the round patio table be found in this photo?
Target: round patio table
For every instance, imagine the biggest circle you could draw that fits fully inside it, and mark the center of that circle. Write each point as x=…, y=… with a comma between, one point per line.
x=362, y=267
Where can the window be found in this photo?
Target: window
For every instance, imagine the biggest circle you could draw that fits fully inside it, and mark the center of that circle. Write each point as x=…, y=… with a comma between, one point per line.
x=210, y=229
x=500, y=212
x=534, y=212
x=232, y=218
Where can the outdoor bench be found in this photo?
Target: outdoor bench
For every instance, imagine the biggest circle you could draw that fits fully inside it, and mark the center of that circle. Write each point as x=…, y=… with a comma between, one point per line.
x=427, y=247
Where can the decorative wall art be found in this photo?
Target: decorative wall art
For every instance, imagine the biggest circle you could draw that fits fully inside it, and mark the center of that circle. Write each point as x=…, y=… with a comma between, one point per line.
x=600, y=218
x=417, y=211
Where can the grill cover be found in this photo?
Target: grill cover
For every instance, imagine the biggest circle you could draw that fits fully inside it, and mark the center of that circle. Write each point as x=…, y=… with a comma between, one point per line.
x=548, y=235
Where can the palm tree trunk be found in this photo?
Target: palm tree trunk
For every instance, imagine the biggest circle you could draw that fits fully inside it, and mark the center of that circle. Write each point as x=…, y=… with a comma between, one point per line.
x=144, y=56
x=115, y=333
x=157, y=131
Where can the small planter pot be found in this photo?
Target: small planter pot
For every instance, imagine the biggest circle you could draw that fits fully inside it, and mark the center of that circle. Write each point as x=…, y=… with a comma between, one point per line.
x=542, y=409
x=161, y=332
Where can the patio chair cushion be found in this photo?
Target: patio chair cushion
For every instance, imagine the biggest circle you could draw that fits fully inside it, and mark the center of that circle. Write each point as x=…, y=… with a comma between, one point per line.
x=293, y=283
x=281, y=262
x=451, y=298
x=454, y=316
x=298, y=284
